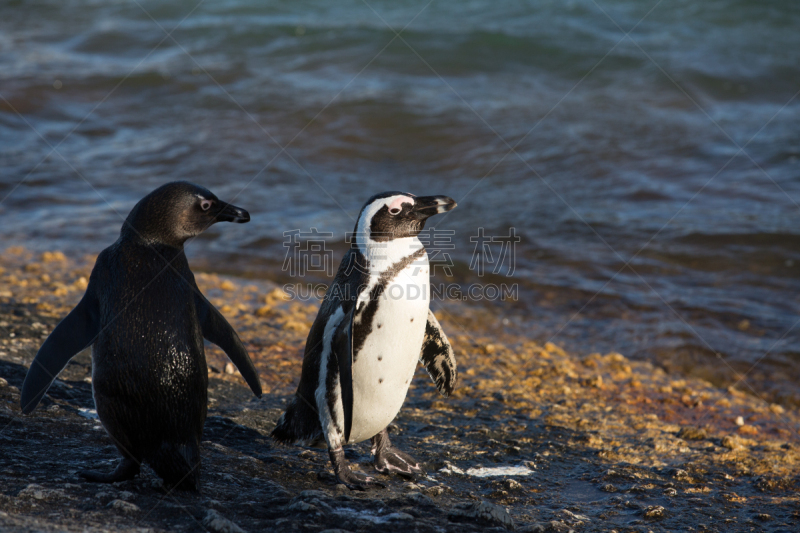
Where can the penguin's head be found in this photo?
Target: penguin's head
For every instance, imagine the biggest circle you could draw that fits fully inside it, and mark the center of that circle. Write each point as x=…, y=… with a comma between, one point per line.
x=395, y=215
x=178, y=211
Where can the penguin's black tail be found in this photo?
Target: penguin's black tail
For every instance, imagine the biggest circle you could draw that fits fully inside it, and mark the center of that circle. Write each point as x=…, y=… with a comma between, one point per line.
x=298, y=426
x=178, y=465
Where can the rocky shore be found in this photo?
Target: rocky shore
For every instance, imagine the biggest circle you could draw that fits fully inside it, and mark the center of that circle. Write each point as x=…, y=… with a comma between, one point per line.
x=534, y=439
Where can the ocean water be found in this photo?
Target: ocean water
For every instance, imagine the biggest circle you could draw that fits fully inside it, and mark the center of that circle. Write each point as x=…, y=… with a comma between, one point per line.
x=646, y=153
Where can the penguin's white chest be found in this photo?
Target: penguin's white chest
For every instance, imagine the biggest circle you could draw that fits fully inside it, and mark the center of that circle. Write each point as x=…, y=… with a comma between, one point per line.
x=384, y=366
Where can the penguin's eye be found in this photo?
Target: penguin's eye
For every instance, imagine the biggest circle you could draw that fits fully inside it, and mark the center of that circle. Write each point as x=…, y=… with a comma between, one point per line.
x=395, y=211
x=205, y=205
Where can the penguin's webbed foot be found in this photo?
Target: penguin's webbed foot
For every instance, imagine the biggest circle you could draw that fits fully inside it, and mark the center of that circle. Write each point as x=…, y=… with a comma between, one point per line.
x=390, y=460
x=346, y=476
x=126, y=469
x=393, y=461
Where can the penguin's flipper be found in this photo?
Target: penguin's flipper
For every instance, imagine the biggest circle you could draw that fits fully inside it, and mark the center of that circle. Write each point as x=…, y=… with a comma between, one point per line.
x=438, y=357
x=217, y=330
x=76, y=332
x=343, y=348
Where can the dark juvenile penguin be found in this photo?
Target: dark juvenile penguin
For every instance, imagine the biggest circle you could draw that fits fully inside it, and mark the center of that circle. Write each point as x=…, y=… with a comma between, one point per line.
x=146, y=319
x=373, y=327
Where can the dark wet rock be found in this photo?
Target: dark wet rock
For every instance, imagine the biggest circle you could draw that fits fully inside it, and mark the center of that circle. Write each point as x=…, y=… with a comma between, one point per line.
x=301, y=507
x=681, y=475
x=217, y=523
x=484, y=513
x=655, y=512
x=419, y=499
x=398, y=517
x=37, y=492
x=554, y=526
x=312, y=495
x=768, y=483
x=600, y=454
x=436, y=490
x=732, y=442
x=692, y=433
x=574, y=518
x=123, y=507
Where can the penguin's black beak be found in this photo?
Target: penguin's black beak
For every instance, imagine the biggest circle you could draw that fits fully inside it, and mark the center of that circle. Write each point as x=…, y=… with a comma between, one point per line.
x=426, y=206
x=231, y=213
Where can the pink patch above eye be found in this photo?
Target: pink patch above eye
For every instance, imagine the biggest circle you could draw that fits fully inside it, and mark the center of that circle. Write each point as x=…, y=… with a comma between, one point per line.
x=398, y=202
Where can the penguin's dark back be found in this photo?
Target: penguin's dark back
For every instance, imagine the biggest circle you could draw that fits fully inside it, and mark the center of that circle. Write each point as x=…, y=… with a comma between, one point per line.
x=149, y=352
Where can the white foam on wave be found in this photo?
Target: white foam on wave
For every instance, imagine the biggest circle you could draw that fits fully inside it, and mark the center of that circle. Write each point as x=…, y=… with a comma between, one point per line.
x=346, y=512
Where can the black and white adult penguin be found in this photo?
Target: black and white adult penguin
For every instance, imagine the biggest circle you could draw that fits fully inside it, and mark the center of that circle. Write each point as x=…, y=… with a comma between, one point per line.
x=146, y=319
x=373, y=327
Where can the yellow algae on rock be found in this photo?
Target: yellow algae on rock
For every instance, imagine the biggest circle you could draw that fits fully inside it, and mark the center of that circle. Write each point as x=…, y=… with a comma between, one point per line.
x=596, y=382
x=267, y=311
x=295, y=325
x=590, y=361
x=747, y=429
x=777, y=409
x=59, y=289
x=622, y=409
x=724, y=402
x=51, y=257
x=228, y=310
x=553, y=349
x=276, y=296
x=732, y=442
x=227, y=286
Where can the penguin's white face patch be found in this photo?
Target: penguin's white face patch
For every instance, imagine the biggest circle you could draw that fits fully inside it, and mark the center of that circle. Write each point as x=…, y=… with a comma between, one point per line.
x=396, y=205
